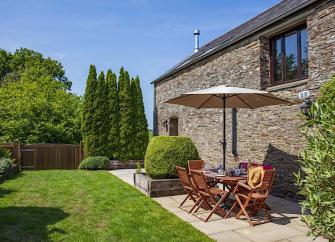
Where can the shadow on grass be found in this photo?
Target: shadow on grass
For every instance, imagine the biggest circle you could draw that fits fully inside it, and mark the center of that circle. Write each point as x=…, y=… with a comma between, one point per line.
x=29, y=223
x=4, y=192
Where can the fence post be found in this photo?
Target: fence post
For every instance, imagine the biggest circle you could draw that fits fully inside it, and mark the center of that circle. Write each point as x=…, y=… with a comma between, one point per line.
x=81, y=151
x=17, y=153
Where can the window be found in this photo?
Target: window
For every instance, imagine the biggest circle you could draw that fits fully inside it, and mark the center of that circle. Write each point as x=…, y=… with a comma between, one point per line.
x=289, y=56
x=173, y=126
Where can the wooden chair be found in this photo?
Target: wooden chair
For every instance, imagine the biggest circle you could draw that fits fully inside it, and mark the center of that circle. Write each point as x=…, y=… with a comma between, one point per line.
x=199, y=165
x=251, y=201
x=212, y=197
x=189, y=188
x=195, y=165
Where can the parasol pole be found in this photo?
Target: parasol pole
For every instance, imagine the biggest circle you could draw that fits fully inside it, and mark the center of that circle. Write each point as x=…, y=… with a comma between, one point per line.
x=224, y=143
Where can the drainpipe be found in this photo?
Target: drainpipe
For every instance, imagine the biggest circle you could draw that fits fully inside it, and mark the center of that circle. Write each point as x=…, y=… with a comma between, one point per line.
x=155, y=115
x=234, y=131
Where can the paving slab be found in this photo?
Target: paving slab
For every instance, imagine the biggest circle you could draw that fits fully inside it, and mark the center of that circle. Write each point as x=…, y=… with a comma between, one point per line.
x=217, y=226
x=173, y=207
x=304, y=238
x=229, y=236
x=186, y=217
x=126, y=175
x=269, y=232
x=164, y=200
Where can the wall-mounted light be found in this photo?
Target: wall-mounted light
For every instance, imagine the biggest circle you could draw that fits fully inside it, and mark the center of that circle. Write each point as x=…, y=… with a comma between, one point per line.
x=306, y=106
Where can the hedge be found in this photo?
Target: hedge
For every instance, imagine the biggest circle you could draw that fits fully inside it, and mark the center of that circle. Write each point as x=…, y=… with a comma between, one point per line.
x=5, y=164
x=316, y=181
x=164, y=153
x=94, y=163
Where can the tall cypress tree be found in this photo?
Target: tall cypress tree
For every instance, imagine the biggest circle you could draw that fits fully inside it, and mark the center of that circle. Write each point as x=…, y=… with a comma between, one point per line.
x=113, y=116
x=100, y=121
x=88, y=111
x=126, y=151
x=141, y=135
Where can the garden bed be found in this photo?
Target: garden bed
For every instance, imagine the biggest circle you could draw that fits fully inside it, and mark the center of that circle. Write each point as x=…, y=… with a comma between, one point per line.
x=158, y=187
x=131, y=164
x=9, y=173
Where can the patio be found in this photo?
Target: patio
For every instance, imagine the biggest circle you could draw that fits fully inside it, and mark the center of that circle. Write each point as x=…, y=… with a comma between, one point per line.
x=286, y=224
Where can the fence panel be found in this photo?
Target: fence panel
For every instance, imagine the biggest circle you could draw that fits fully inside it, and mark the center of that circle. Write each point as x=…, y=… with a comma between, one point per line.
x=55, y=156
x=46, y=156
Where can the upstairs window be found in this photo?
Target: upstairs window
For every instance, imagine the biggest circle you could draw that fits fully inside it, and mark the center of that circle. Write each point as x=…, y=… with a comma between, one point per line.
x=289, y=56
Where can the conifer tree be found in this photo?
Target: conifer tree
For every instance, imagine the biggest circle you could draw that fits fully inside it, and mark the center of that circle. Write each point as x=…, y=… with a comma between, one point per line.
x=88, y=110
x=126, y=151
x=100, y=120
x=113, y=116
x=141, y=135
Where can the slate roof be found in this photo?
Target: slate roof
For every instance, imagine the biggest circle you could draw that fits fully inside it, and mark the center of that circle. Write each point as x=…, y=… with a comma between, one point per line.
x=277, y=12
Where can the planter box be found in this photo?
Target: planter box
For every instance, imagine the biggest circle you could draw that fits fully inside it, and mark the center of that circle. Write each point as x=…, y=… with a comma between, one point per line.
x=131, y=164
x=9, y=173
x=157, y=187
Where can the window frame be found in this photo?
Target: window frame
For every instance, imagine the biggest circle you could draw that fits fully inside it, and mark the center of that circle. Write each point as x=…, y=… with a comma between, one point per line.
x=281, y=37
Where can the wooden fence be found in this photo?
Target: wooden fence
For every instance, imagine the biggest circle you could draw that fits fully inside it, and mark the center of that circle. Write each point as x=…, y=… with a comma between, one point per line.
x=46, y=156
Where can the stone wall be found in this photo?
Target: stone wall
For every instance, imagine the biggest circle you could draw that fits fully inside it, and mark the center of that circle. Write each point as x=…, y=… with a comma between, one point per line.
x=269, y=134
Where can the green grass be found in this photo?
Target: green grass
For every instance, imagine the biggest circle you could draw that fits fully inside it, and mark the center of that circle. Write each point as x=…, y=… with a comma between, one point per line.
x=84, y=206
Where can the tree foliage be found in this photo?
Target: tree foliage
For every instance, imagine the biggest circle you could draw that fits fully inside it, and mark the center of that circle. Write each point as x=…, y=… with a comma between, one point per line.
x=39, y=111
x=317, y=181
x=13, y=65
x=113, y=119
x=88, y=111
x=126, y=124
x=100, y=118
x=113, y=116
x=140, y=125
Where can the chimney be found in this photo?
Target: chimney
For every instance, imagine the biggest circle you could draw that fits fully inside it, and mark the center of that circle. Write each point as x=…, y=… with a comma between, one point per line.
x=196, y=40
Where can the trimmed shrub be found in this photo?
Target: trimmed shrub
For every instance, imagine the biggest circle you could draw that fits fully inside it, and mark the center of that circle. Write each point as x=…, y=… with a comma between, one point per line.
x=164, y=153
x=5, y=164
x=94, y=163
x=318, y=166
x=4, y=153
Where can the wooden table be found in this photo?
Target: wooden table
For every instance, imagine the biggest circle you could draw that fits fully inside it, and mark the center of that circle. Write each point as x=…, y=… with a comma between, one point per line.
x=229, y=181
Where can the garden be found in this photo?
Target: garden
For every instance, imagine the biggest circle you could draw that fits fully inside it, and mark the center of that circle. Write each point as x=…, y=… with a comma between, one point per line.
x=84, y=206
x=90, y=204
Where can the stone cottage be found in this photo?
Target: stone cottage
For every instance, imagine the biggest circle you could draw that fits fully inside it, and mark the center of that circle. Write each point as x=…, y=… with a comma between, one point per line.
x=287, y=49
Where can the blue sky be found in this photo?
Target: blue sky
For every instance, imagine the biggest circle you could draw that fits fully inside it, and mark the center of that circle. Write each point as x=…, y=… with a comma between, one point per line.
x=146, y=37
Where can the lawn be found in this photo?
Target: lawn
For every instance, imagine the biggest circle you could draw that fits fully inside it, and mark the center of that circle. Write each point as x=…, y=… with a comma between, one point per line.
x=84, y=206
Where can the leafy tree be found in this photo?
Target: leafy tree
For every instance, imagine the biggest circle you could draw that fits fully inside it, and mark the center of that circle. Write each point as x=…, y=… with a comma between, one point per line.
x=113, y=116
x=39, y=111
x=13, y=65
x=125, y=102
x=140, y=125
x=317, y=181
x=100, y=119
x=88, y=111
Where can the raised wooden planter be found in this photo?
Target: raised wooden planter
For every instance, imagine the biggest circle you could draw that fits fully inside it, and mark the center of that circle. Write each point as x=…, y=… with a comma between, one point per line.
x=157, y=187
x=9, y=173
x=116, y=164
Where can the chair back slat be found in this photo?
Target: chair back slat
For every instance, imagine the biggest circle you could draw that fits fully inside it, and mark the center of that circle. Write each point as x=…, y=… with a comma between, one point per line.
x=195, y=165
x=199, y=181
x=267, y=181
x=183, y=176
